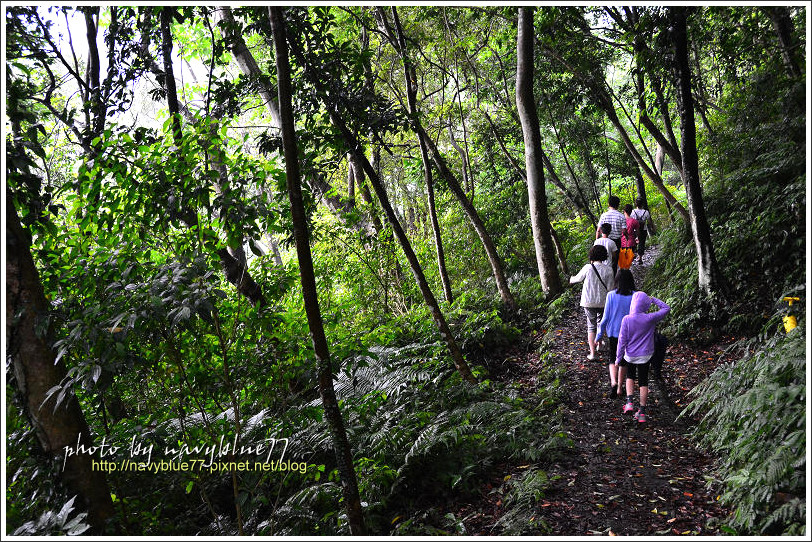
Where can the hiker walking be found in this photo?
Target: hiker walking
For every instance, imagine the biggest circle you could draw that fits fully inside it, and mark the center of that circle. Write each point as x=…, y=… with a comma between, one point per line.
x=598, y=280
x=646, y=225
x=635, y=346
x=628, y=239
x=610, y=245
x=614, y=218
x=618, y=303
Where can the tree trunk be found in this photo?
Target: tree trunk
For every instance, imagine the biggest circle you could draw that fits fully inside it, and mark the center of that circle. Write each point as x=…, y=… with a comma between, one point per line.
x=640, y=182
x=656, y=179
x=350, y=182
x=435, y=227
x=349, y=484
x=577, y=201
x=782, y=24
x=28, y=335
x=459, y=193
x=249, y=67
x=169, y=79
x=710, y=277
x=354, y=147
x=604, y=101
x=411, y=98
x=232, y=260
x=534, y=164
x=466, y=167
x=559, y=251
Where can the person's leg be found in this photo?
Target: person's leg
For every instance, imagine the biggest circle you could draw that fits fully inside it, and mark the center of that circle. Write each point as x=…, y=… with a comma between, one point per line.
x=590, y=337
x=643, y=382
x=640, y=415
x=613, y=369
x=591, y=329
x=642, y=241
x=630, y=375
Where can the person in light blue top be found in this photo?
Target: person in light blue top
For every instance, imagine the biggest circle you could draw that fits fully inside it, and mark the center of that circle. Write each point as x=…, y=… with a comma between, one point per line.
x=618, y=303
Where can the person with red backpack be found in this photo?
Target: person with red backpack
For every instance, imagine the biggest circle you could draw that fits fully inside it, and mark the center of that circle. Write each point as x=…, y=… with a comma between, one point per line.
x=628, y=239
x=646, y=225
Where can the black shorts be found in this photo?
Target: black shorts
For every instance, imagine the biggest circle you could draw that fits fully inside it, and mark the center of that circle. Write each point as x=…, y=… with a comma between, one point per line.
x=634, y=369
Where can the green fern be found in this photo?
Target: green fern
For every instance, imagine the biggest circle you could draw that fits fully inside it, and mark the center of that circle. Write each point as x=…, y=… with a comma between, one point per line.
x=755, y=421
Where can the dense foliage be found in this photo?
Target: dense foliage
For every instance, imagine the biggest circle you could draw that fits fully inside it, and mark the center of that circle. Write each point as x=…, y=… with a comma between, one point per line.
x=163, y=244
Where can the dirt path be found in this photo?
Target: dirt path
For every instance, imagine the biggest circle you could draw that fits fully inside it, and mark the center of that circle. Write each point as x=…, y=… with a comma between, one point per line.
x=621, y=477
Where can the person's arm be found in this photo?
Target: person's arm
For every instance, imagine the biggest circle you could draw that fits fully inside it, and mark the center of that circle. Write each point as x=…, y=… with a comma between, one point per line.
x=650, y=222
x=662, y=310
x=621, y=341
x=610, y=284
x=580, y=276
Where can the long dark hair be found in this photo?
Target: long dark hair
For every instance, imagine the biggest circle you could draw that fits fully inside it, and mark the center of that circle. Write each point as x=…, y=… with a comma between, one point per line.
x=625, y=282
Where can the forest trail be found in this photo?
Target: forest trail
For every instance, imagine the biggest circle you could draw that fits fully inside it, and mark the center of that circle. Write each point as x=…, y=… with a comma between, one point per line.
x=621, y=477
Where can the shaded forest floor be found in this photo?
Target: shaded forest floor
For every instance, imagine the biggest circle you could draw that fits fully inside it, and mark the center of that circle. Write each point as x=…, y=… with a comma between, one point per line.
x=621, y=477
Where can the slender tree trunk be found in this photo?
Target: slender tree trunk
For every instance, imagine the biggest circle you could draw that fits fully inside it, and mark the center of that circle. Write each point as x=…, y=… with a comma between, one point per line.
x=656, y=179
x=354, y=146
x=349, y=484
x=577, y=201
x=350, y=182
x=459, y=193
x=559, y=251
x=28, y=336
x=701, y=102
x=277, y=256
x=640, y=182
x=466, y=167
x=662, y=141
x=710, y=277
x=605, y=102
x=435, y=228
x=249, y=67
x=411, y=99
x=169, y=74
x=534, y=163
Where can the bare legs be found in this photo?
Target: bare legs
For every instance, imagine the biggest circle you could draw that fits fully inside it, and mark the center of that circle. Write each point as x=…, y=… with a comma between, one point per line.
x=590, y=337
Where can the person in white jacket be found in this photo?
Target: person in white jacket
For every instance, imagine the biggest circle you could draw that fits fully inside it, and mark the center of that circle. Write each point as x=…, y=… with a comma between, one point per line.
x=598, y=280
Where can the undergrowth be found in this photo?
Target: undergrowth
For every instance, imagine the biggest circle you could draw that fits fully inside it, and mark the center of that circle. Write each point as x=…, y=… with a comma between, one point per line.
x=424, y=436
x=755, y=421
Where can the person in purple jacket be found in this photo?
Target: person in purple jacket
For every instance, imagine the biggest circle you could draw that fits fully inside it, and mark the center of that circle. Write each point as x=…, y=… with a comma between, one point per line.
x=635, y=346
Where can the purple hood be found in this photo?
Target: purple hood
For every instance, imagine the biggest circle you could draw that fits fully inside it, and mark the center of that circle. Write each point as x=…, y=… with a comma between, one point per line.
x=641, y=301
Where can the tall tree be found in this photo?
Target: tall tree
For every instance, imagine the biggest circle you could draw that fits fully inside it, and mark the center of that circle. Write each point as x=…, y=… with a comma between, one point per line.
x=411, y=98
x=349, y=483
x=53, y=410
x=453, y=184
x=350, y=140
x=710, y=276
x=534, y=162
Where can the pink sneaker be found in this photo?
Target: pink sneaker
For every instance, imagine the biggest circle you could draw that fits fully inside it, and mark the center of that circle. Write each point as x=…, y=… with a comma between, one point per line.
x=628, y=407
x=640, y=416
